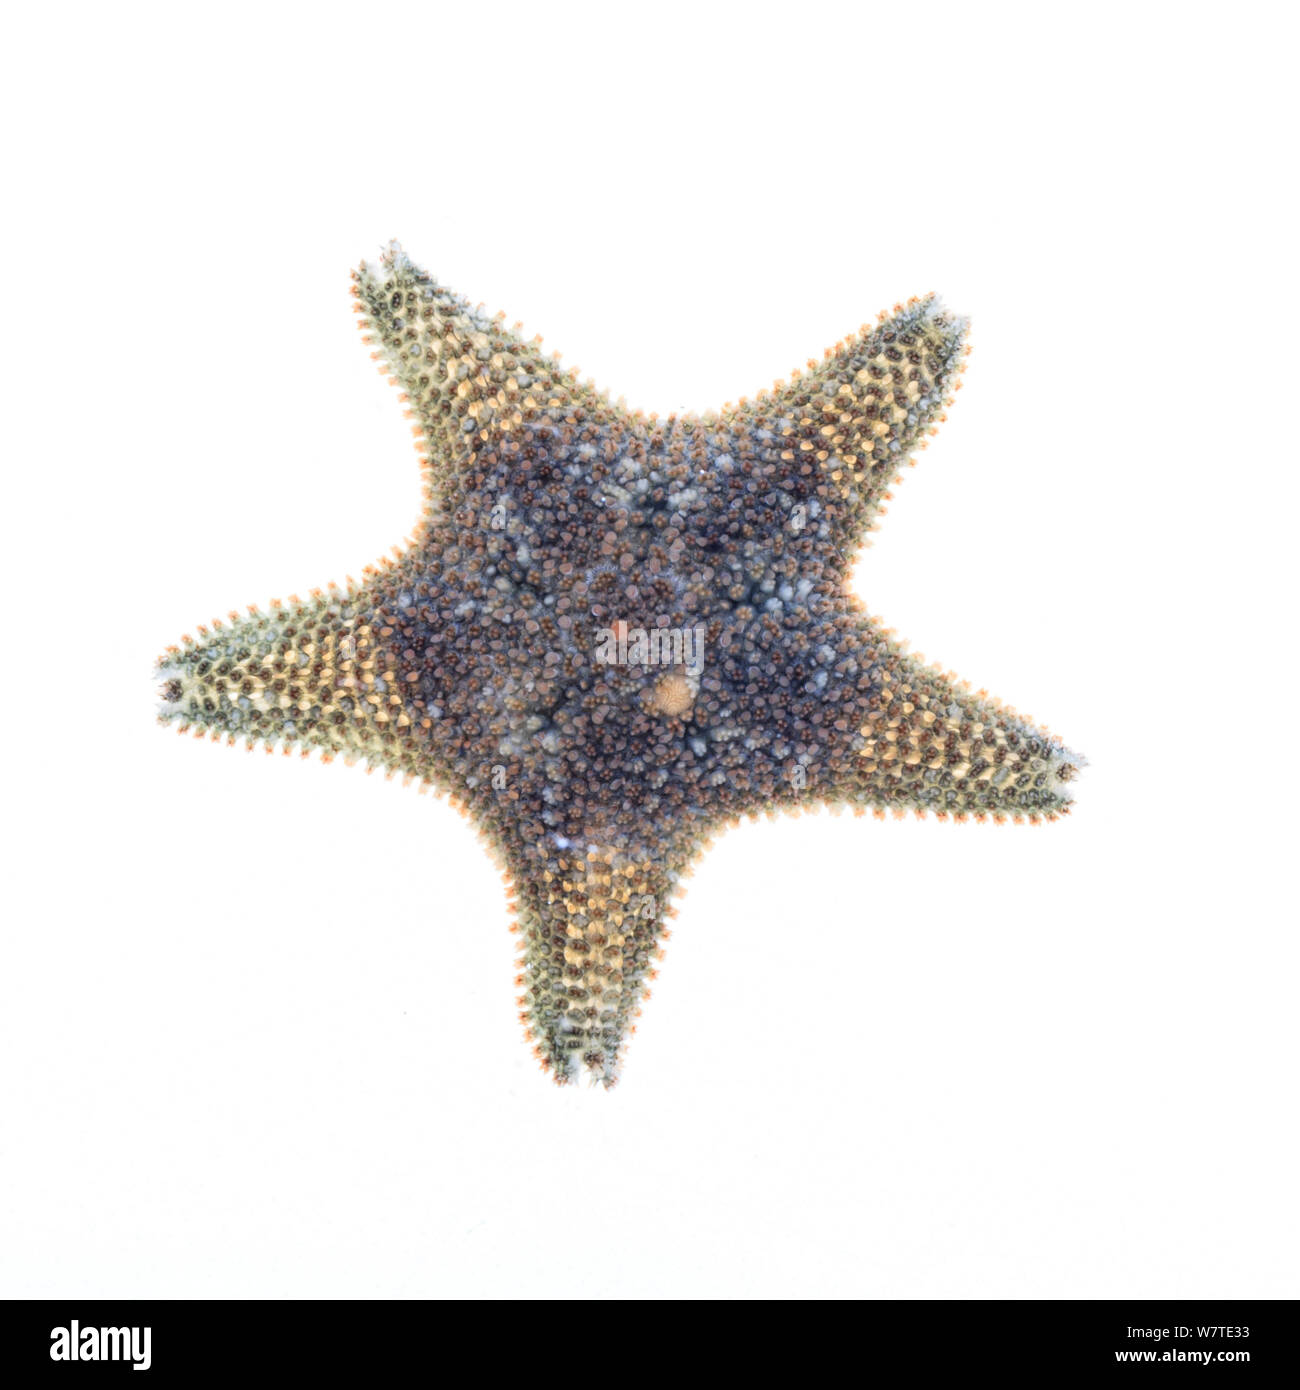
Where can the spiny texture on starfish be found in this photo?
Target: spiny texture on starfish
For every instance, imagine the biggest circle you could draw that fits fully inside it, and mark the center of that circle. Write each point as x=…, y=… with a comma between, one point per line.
x=611, y=635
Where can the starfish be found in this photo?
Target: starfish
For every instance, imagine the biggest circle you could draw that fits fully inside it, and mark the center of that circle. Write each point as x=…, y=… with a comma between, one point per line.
x=612, y=635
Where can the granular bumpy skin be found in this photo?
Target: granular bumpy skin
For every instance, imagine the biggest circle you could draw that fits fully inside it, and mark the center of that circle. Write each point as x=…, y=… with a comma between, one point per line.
x=612, y=635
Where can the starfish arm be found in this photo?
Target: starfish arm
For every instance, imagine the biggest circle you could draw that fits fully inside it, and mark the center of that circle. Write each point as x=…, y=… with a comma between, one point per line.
x=481, y=398
x=323, y=673
x=833, y=439
x=590, y=917
x=911, y=737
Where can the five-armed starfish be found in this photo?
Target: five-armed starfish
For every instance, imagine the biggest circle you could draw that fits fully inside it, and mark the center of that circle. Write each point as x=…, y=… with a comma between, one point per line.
x=611, y=635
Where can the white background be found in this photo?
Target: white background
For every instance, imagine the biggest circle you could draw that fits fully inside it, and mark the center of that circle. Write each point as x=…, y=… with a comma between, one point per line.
x=257, y=1032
